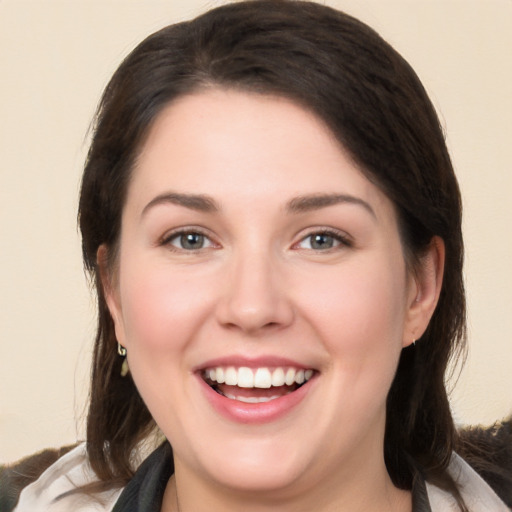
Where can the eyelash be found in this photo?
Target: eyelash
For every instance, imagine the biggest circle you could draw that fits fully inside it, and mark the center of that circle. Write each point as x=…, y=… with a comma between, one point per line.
x=339, y=239
x=180, y=233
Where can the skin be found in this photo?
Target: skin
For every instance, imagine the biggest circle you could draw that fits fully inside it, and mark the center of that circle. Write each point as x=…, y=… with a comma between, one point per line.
x=257, y=287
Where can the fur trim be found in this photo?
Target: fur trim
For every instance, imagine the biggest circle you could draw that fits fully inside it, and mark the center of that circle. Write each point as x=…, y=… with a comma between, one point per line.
x=489, y=451
x=14, y=477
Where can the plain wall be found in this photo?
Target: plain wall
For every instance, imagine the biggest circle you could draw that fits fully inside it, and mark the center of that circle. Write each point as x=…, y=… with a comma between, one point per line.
x=55, y=59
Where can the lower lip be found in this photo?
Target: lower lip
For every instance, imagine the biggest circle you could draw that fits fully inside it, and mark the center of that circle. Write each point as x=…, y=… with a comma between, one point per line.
x=264, y=412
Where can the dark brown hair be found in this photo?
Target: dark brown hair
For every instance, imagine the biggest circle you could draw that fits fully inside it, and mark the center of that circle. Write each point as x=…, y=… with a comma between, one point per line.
x=375, y=105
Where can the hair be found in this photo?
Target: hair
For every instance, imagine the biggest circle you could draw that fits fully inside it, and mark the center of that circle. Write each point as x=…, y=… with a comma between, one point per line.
x=376, y=106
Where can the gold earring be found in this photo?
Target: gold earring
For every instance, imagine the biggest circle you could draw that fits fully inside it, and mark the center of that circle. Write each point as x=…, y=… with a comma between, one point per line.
x=124, y=367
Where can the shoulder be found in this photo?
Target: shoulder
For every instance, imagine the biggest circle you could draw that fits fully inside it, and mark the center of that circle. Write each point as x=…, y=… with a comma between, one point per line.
x=482, y=469
x=53, y=490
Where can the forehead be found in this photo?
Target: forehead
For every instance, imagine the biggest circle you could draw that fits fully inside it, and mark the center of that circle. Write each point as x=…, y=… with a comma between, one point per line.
x=244, y=146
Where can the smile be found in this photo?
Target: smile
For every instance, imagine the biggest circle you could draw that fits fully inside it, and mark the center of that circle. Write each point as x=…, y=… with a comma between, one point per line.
x=255, y=385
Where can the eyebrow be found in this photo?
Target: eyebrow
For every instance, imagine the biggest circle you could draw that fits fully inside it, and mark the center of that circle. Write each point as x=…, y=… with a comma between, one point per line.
x=300, y=204
x=196, y=202
x=307, y=203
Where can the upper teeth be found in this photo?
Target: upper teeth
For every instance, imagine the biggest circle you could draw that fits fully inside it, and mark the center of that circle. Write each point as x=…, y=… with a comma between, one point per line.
x=245, y=377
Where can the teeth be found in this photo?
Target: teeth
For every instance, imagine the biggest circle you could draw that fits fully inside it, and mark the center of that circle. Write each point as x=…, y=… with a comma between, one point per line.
x=262, y=378
x=290, y=377
x=245, y=378
x=251, y=399
x=219, y=376
x=278, y=377
x=231, y=377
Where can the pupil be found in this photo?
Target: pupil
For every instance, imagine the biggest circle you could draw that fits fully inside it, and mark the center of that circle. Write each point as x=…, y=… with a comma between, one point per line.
x=192, y=241
x=321, y=241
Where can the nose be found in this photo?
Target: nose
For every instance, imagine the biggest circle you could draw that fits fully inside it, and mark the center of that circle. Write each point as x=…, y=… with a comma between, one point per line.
x=254, y=298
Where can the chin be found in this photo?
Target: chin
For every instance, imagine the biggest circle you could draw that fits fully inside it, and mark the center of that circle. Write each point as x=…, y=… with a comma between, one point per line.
x=247, y=466
x=258, y=478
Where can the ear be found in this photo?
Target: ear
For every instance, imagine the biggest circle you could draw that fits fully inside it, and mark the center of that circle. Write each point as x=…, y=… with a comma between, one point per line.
x=424, y=291
x=110, y=289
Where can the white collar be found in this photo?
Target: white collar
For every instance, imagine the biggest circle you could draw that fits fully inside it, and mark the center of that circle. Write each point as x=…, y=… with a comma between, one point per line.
x=72, y=470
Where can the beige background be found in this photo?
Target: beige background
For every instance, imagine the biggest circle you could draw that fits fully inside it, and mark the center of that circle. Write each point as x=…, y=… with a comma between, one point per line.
x=55, y=59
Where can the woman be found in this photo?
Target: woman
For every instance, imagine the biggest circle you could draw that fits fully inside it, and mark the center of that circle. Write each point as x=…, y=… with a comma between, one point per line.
x=273, y=224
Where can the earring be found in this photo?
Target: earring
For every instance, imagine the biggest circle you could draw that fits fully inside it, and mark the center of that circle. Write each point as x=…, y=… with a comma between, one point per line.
x=124, y=368
x=413, y=343
x=122, y=352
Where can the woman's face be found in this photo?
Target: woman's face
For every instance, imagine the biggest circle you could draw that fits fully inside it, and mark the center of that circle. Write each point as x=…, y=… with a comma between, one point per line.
x=261, y=293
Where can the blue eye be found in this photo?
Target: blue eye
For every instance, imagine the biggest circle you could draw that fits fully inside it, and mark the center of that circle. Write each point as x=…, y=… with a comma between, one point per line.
x=189, y=241
x=322, y=241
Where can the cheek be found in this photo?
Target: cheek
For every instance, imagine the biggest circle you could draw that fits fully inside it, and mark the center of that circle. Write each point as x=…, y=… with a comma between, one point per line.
x=359, y=318
x=359, y=313
x=160, y=309
x=162, y=312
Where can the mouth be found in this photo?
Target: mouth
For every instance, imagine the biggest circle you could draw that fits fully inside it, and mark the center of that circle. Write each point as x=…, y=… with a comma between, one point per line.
x=256, y=385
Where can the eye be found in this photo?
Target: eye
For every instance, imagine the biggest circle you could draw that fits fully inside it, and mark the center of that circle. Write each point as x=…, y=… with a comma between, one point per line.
x=188, y=241
x=323, y=241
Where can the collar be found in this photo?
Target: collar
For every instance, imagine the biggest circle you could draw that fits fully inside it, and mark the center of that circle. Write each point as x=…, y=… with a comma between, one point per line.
x=145, y=491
